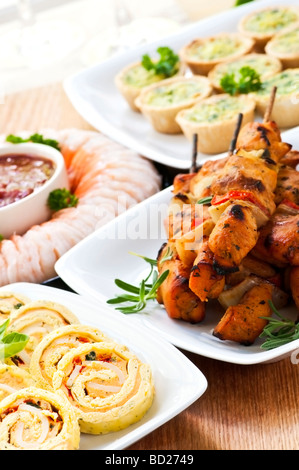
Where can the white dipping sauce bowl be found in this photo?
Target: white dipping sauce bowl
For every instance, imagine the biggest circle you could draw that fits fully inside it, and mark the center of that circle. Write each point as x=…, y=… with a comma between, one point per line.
x=18, y=217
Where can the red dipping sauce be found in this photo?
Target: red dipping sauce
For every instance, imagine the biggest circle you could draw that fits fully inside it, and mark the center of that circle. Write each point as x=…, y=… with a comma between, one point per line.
x=21, y=175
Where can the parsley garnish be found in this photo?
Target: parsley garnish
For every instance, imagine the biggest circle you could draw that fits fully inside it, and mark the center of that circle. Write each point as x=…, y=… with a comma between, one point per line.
x=249, y=81
x=61, y=199
x=35, y=138
x=1, y=238
x=11, y=343
x=278, y=331
x=139, y=295
x=166, y=65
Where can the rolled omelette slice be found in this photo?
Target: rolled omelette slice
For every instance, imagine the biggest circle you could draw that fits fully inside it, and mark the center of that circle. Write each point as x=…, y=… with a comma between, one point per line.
x=12, y=379
x=55, y=345
x=36, y=419
x=10, y=302
x=107, y=385
x=37, y=319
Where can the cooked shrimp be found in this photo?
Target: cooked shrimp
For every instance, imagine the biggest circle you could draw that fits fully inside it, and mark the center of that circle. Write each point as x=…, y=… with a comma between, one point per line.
x=106, y=177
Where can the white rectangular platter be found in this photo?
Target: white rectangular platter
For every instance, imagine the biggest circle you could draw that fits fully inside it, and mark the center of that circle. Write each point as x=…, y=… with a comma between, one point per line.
x=94, y=95
x=168, y=364
x=91, y=267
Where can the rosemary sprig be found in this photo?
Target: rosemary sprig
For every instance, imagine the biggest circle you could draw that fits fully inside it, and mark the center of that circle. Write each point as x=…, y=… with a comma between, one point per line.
x=278, y=331
x=136, y=297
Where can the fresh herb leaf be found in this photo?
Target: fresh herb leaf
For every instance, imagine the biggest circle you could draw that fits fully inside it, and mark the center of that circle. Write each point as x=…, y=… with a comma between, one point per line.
x=151, y=261
x=3, y=328
x=278, y=331
x=249, y=81
x=167, y=65
x=205, y=200
x=35, y=138
x=242, y=2
x=144, y=292
x=11, y=343
x=167, y=256
x=61, y=199
x=1, y=237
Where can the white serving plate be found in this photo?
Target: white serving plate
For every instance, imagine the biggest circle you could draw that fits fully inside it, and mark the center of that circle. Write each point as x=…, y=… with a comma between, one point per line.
x=94, y=95
x=178, y=382
x=91, y=267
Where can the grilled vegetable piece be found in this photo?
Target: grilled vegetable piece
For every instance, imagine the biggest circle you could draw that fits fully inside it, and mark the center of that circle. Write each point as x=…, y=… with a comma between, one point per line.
x=242, y=323
x=204, y=281
x=234, y=236
x=179, y=301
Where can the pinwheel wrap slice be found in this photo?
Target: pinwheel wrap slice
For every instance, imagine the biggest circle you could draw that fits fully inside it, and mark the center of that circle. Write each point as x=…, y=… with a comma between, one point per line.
x=36, y=320
x=9, y=302
x=12, y=379
x=107, y=385
x=55, y=345
x=36, y=419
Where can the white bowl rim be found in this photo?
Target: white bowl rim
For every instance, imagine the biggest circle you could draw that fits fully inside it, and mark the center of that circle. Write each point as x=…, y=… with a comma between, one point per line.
x=41, y=150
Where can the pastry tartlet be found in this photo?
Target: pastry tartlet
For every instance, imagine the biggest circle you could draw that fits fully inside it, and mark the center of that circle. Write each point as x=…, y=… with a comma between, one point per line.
x=133, y=78
x=160, y=103
x=214, y=121
x=265, y=65
x=286, y=106
x=203, y=54
x=285, y=47
x=263, y=24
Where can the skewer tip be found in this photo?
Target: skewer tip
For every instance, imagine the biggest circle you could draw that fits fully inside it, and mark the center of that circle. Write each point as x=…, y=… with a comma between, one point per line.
x=235, y=136
x=269, y=109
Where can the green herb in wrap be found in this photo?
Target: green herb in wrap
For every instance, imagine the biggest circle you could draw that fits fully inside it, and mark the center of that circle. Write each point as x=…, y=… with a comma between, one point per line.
x=11, y=343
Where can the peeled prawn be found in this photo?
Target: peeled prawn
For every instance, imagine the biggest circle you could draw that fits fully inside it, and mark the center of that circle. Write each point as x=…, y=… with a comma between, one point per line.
x=107, y=179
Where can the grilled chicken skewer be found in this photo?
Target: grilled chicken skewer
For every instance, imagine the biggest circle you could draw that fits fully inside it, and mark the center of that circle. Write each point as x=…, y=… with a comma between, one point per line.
x=244, y=193
x=192, y=278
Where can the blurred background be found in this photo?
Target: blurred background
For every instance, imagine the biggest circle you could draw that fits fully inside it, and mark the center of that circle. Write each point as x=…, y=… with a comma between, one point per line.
x=43, y=41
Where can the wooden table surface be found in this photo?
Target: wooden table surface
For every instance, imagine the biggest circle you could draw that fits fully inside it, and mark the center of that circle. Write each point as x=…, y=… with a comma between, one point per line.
x=252, y=407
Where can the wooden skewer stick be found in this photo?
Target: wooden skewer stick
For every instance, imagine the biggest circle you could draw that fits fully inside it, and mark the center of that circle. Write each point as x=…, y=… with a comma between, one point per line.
x=193, y=167
x=235, y=136
x=269, y=109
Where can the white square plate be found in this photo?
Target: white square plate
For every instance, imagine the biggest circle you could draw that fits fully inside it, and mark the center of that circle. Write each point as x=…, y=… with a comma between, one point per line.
x=178, y=382
x=94, y=95
x=91, y=267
